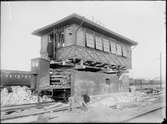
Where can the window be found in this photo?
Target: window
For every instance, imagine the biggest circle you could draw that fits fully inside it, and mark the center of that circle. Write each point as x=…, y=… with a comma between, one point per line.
x=25, y=76
x=99, y=43
x=61, y=39
x=106, y=45
x=124, y=51
x=58, y=37
x=51, y=37
x=119, y=52
x=10, y=76
x=113, y=47
x=89, y=40
x=80, y=37
x=18, y=76
x=108, y=81
x=68, y=36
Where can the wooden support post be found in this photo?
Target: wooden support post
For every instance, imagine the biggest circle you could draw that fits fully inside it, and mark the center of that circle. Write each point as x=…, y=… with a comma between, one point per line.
x=73, y=83
x=54, y=43
x=160, y=73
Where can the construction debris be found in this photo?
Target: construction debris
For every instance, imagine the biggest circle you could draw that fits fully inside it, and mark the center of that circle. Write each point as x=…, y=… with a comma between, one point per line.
x=20, y=95
x=117, y=98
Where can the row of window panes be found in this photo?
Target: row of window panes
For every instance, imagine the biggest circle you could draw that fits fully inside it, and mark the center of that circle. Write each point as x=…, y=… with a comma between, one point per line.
x=89, y=40
x=18, y=76
x=60, y=35
x=100, y=44
x=115, y=48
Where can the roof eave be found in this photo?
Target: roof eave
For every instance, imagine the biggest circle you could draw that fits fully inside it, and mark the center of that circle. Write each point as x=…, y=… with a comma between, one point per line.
x=38, y=32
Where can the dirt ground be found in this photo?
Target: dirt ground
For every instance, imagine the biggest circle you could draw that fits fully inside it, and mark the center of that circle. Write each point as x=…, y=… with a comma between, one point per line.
x=101, y=114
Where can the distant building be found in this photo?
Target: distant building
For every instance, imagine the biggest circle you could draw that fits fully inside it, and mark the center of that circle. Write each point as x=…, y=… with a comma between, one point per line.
x=142, y=84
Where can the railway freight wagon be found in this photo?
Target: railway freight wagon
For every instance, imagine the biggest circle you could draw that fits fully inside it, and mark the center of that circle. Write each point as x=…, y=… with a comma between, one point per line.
x=79, y=56
x=16, y=78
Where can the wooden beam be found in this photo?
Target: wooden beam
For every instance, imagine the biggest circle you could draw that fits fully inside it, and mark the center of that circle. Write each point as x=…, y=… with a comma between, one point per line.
x=93, y=67
x=107, y=66
x=55, y=62
x=101, y=65
x=76, y=60
x=81, y=62
x=95, y=63
x=61, y=63
x=66, y=62
x=79, y=66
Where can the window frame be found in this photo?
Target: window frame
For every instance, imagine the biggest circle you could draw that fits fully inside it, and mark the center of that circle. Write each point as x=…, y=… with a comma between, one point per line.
x=113, y=44
x=107, y=41
x=99, y=39
x=118, y=47
x=108, y=81
x=91, y=34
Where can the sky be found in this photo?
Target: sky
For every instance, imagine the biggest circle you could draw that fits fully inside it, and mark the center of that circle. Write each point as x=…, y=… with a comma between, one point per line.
x=141, y=21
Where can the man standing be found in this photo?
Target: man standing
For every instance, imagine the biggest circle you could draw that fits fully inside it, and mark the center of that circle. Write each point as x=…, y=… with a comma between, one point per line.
x=79, y=101
x=85, y=100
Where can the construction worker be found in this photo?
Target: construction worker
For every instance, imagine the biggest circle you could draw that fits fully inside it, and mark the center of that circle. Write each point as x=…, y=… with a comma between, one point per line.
x=79, y=101
x=85, y=100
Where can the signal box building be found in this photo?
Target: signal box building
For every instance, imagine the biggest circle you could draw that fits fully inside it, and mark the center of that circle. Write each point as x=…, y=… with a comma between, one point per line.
x=79, y=56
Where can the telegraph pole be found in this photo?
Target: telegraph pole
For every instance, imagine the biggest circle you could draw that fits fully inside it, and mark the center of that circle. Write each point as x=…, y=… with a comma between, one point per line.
x=160, y=72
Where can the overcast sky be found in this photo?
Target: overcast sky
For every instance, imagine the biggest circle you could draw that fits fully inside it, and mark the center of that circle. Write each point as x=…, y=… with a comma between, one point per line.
x=141, y=21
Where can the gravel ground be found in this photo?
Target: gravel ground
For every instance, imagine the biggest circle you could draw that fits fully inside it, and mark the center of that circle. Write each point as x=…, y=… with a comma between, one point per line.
x=104, y=113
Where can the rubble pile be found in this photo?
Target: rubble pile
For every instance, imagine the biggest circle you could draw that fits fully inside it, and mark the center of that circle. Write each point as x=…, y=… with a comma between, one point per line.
x=116, y=98
x=20, y=95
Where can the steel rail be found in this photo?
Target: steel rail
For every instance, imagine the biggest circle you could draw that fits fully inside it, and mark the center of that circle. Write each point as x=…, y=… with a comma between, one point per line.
x=143, y=114
x=55, y=109
x=24, y=106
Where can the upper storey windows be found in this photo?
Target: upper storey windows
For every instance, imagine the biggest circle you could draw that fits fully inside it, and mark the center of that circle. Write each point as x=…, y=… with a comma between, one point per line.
x=58, y=37
x=119, y=50
x=106, y=45
x=86, y=38
x=113, y=47
x=125, y=51
x=99, y=45
x=80, y=37
x=68, y=36
x=90, y=40
x=100, y=42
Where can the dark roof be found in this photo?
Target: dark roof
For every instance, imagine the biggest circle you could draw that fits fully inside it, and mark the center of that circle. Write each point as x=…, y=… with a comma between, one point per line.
x=15, y=71
x=77, y=19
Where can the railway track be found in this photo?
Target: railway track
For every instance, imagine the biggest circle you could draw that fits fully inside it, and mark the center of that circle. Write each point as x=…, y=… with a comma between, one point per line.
x=24, y=106
x=42, y=108
x=38, y=110
x=144, y=110
x=142, y=114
